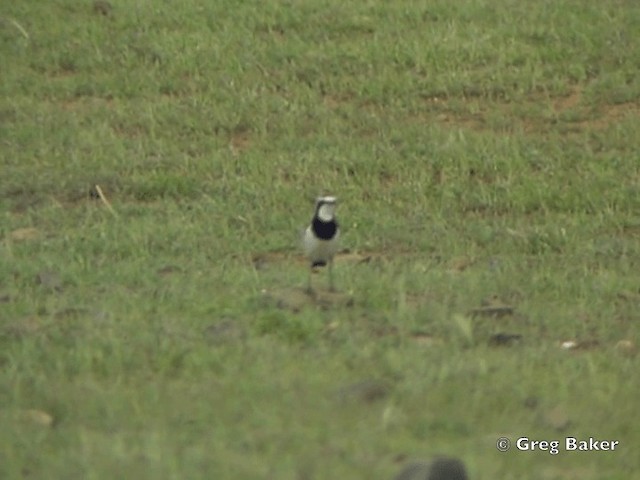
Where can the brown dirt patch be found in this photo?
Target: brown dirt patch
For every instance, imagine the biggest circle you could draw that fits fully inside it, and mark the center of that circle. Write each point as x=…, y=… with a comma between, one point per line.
x=534, y=113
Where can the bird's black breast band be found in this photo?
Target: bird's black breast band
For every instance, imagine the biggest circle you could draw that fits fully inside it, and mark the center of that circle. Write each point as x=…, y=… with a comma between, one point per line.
x=324, y=230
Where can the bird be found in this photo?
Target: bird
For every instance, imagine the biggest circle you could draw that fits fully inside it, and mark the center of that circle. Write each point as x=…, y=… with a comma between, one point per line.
x=320, y=239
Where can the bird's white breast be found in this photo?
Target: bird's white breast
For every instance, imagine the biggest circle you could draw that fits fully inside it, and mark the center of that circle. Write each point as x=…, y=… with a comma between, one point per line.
x=319, y=250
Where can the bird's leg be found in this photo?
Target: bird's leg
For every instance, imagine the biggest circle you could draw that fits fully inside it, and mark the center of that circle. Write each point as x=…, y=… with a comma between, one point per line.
x=309, y=288
x=331, y=287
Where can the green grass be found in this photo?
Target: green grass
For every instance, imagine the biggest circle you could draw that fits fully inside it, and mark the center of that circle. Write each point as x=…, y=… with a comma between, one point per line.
x=484, y=153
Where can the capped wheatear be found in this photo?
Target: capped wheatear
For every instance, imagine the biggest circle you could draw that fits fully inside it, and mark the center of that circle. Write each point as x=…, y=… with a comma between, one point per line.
x=320, y=241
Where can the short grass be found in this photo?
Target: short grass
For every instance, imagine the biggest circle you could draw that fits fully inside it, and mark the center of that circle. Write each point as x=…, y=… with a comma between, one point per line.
x=485, y=153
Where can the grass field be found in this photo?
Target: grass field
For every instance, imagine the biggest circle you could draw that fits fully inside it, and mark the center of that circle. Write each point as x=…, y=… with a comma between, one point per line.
x=486, y=158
